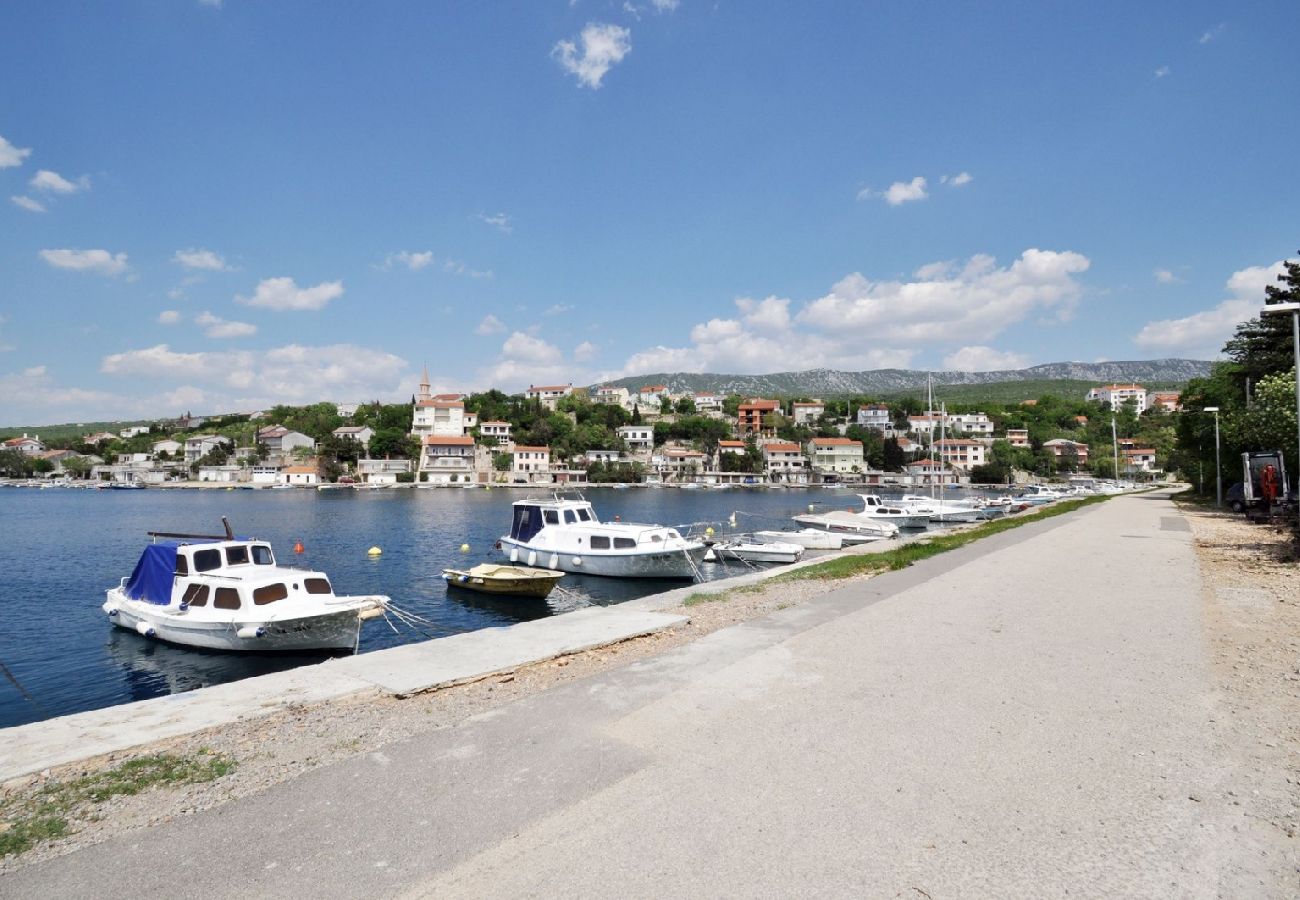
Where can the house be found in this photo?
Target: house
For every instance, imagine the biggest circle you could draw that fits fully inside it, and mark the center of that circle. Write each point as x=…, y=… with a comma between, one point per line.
x=225, y=474
x=970, y=423
x=447, y=459
x=382, y=471
x=1119, y=394
x=27, y=446
x=930, y=471
x=785, y=462
x=840, y=455
x=346, y=410
x=925, y=424
x=960, y=453
x=1018, y=437
x=548, y=395
x=500, y=431
x=301, y=475
x=200, y=445
x=1139, y=459
x=281, y=441
x=755, y=418
x=734, y=447
x=875, y=416
x=266, y=473
x=530, y=462
x=602, y=456
x=168, y=446
x=359, y=433
x=612, y=396
x=188, y=422
x=706, y=401
x=446, y=418
x=639, y=438
x=679, y=461
x=908, y=446
x=57, y=458
x=1170, y=401
x=132, y=431
x=807, y=413
x=98, y=437
x=1065, y=448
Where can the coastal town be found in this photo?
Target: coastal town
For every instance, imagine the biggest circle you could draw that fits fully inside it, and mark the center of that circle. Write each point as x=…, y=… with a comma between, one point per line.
x=566, y=436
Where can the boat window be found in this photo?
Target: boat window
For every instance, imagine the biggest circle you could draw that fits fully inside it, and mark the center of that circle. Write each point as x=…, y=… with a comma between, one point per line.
x=551, y=516
x=182, y=564
x=569, y=517
x=656, y=537
x=624, y=543
x=237, y=556
x=526, y=524
x=599, y=542
x=207, y=560
x=262, y=555
x=196, y=595
x=585, y=514
x=317, y=586
x=226, y=598
x=269, y=593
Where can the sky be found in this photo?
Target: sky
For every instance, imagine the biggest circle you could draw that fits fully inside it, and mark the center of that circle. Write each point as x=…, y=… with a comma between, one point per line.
x=217, y=205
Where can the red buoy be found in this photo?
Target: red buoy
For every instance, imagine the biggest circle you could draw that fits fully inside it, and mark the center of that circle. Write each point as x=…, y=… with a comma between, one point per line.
x=298, y=547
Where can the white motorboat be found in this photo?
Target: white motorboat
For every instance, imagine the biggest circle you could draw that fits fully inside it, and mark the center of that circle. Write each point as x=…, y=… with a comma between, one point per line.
x=566, y=535
x=227, y=593
x=852, y=528
x=758, y=551
x=877, y=508
x=938, y=512
x=808, y=538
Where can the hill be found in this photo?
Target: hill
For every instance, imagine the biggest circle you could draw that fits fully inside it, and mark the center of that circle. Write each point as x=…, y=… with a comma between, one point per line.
x=1064, y=378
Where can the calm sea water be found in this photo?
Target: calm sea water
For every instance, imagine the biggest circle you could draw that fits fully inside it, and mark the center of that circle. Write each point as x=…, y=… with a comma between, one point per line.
x=61, y=549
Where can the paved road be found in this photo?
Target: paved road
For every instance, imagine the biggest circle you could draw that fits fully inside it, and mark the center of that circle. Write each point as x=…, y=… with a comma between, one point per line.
x=1026, y=717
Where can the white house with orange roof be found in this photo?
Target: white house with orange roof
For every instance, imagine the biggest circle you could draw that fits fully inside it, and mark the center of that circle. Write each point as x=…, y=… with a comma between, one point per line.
x=875, y=415
x=785, y=462
x=609, y=395
x=1119, y=394
x=446, y=459
x=926, y=425
x=1170, y=401
x=27, y=446
x=500, y=431
x=707, y=401
x=969, y=423
x=836, y=454
x=548, y=394
x=1018, y=437
x=736, y=448
x=960, y=453
x=806, y=413
x=930, y=471
x=530, y=463
x=640, y=439
x=1139, y=459
x=1064, y=447
x=359, y=433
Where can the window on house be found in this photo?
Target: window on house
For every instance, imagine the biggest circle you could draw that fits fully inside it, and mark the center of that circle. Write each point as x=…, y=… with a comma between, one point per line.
x=207, y=560
x=226, y=598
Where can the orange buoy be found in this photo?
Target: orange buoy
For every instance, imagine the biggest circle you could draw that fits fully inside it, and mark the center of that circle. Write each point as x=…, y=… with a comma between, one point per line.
x=298, y=547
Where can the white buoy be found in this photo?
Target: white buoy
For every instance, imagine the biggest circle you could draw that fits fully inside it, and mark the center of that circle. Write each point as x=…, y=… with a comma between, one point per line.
x=514, y=554
x=554, y=561
x=532, y=557
x=374, y=551
x=145, y=629
x=464, y=548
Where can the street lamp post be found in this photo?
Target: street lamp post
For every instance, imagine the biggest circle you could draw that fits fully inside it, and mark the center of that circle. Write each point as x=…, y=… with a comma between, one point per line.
x=1277, y=309
x=1218, y=467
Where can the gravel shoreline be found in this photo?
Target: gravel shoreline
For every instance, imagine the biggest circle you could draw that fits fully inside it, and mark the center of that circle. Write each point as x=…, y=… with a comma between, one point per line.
x=1252, y=628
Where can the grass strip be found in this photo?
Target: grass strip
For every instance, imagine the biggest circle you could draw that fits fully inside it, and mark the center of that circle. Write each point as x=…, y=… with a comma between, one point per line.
x=27, y=820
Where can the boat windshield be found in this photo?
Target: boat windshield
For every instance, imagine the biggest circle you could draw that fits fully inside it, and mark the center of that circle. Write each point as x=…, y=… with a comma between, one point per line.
x=262, y=555
x=527, y=522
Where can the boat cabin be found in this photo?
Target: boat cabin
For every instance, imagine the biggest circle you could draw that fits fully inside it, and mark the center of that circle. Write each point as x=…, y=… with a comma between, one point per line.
x=227, y=575
x=531, y=516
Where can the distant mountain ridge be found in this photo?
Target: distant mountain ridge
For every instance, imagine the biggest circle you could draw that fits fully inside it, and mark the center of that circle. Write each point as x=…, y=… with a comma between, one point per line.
x=829, y=382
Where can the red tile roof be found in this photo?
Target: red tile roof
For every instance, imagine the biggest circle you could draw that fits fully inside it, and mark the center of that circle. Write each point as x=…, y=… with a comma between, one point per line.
x=520, y=448
x=439, y=441
x=836, y=442
x=781, y=448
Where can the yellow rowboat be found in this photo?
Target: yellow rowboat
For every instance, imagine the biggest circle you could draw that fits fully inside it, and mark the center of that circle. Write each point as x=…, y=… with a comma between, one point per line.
x=519, y=581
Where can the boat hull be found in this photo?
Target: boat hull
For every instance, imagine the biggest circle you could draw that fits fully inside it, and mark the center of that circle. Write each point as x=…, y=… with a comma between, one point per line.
x=808, y=538
x=335, y=630
x=682, y=564
x=759, y=552
x=535, y=583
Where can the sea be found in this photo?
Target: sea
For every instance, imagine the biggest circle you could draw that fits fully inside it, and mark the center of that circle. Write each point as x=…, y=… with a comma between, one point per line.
x=61, y=548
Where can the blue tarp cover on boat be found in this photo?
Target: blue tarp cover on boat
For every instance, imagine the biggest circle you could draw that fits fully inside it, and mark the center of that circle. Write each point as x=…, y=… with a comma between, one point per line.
x=152, y=579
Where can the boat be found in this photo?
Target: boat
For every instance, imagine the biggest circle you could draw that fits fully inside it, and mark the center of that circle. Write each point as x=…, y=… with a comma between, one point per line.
x=808, y=538
x=518, y=581
x=876, y=507
x=936, y=510
x=852, y=528
x=225, y=592
x=567, y=535
x=758, y=551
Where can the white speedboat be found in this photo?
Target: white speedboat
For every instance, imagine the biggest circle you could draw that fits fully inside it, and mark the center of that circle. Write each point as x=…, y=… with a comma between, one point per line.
x=808, y=538
x=227, y=593
x=852, y=528
x=758, y=551
x=566, y=535
x=938, y=512
x=877, y=508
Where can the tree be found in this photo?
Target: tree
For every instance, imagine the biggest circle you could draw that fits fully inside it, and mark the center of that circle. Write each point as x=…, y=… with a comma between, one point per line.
x=502, y=461
x=77, y=466
x=685, y=406
x=893, y=455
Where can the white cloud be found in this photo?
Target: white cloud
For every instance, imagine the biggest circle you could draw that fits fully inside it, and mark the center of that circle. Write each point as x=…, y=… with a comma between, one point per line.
x=585, y=352
x=456, y=267
x=1211, y=33
x=284, y=294
x=54, y=183
x=901, y=192
x=1203, y=334
x=603, y=46
x=490, y=325
x=500, y=221
x=1162, y=71
x=415, y=261
x=983, y=359
x=28, y=204
x=662, y=6
x=169, y=317
x=214, y=327
x=1164, y=276
x=526, y=359
x=99, y=261
x=956, y=180
x=11, y=156
x=558, y=309
x=948, y=303
x=198, y=258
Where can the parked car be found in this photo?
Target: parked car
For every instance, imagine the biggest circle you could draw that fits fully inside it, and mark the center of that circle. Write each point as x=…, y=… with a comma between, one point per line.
x=1236, y=497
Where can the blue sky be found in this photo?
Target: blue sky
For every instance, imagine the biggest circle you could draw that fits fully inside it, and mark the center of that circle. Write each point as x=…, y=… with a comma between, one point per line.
x=215, y=206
